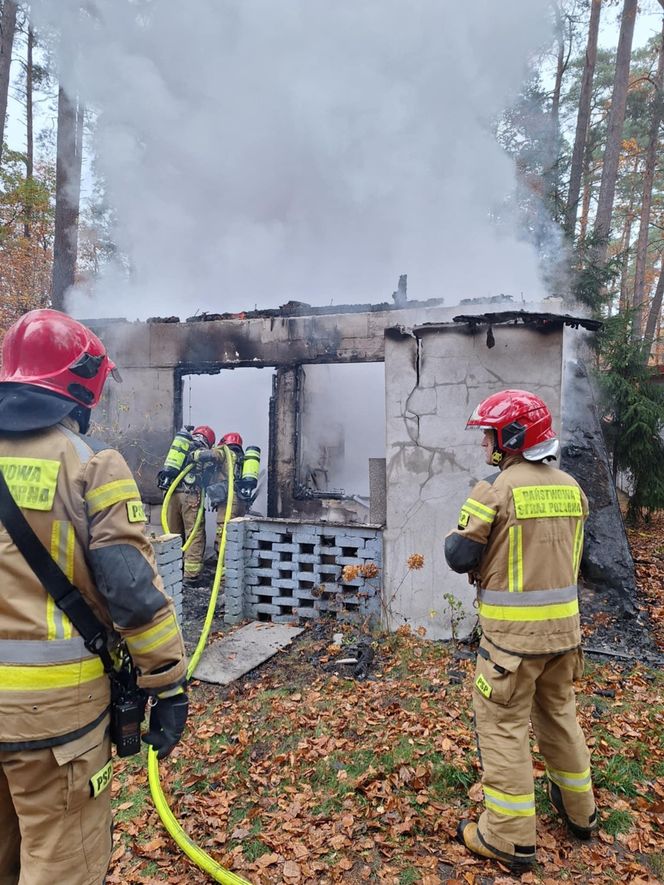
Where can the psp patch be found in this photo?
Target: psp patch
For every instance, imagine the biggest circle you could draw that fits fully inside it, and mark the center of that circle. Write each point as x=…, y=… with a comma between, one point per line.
x=483, y=686
x=100, y=780
x=464, y=518
x=136, y=511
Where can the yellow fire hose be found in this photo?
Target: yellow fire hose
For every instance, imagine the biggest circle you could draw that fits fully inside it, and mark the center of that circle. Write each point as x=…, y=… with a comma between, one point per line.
x=167, y=501
x=184, y=842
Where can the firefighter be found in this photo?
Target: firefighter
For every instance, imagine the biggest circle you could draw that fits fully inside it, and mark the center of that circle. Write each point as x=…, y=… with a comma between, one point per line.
x=218, y=491
x=80, y=499
x=520, y=538
x=186, y=499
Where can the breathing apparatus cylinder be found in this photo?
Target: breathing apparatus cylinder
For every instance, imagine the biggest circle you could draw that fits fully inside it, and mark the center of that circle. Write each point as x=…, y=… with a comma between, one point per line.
x=177, y=454
x=175, y=458
x=250, y=469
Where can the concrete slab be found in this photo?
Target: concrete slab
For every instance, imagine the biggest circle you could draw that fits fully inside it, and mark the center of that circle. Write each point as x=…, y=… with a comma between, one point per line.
x=231, y=657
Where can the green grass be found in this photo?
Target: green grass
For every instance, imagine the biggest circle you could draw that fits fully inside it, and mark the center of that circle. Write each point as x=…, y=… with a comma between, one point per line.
x=328, y=807
x=357, y=763
x=326, y=782
x=619, y=775
x=448, y=779
x=640, y=751
x=617, y=822
x=413, y=705
x=403, y=753
x=542, y=801
x=590, y=667
x=609, y=739
x=656, y=864
x=138, y=801
x=219, y=741
x=253, y=849
x=282, y=692
x=409, y=876
x=237, y=814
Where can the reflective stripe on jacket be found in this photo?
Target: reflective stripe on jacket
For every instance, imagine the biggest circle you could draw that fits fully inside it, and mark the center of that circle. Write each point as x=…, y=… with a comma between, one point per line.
x=521, y=535
x=83, y=504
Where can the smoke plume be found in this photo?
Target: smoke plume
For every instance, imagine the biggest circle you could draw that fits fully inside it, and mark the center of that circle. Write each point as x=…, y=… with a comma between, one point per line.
x=255, y=151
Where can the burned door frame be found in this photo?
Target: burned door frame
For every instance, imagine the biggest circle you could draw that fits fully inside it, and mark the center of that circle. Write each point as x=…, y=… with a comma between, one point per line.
x=286, y=494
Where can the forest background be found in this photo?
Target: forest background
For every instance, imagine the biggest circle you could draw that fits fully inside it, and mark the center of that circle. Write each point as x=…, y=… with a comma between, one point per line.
x=585, y=137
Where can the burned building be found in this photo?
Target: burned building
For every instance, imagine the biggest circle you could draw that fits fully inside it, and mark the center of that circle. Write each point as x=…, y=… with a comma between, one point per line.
x=438, y=363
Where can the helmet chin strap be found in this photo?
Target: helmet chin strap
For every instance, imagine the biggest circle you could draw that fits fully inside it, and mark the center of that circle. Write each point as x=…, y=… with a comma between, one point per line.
x=81, y=414
x=496, y=453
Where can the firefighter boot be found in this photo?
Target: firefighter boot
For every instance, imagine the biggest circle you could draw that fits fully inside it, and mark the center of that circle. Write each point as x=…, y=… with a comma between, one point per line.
x=584, y=833
x=469, y=835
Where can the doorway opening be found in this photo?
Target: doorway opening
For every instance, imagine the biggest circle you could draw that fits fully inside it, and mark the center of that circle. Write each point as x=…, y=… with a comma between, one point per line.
x=341, y=425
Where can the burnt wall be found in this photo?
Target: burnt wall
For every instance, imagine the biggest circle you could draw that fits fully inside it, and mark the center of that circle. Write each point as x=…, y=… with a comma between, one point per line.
x=607, y=560
x=141, y=415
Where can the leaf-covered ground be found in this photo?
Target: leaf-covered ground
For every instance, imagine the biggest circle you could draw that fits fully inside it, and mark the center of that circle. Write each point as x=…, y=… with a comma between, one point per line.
x=297, y=775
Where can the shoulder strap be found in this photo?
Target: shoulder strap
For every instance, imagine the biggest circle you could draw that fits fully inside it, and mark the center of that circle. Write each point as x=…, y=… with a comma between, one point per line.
x=67, y=597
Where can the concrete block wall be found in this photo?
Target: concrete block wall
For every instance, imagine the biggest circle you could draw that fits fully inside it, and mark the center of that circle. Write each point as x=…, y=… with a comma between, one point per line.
x=168, y=553
x=286, y=570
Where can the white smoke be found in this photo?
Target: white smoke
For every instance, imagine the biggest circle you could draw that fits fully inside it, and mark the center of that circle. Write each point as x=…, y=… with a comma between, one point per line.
x=256, y=151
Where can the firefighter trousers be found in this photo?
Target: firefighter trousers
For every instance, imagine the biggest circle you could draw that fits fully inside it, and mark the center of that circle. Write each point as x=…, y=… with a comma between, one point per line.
x=182, y=511
x=52, y=828
x=510, y=692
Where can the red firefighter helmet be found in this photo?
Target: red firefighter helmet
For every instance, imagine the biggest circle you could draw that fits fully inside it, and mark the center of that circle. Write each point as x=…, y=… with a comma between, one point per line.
x=53, y=351
x=231, y=439
x=206, y=432
x=521, y=421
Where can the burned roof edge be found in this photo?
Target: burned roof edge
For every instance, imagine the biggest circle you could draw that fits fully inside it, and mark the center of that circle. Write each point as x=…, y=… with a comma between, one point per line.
x=528, y=318
x=543, y=322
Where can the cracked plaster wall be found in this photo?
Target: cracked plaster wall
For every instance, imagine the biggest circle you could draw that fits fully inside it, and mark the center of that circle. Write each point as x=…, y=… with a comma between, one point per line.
x=432, y=384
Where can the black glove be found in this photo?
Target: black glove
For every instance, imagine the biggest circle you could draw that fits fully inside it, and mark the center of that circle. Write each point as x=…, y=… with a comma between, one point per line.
x=168, y=718
x=165, y=478
x=217, y=494
x=245, y=489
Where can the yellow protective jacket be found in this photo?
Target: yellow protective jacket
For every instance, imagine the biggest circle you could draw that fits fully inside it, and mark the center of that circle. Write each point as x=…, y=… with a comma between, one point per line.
x=520, y=536
x=81, y=500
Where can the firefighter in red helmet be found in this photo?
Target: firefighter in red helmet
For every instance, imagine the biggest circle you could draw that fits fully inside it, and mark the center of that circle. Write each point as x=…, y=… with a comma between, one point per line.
x=218, y=491
x=520, y=537
x=187, y=445
x=231, y=439
x=81, y=512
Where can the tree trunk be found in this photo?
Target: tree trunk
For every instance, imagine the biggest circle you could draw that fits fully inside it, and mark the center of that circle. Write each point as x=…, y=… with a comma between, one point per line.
x=67, y=196
x=29, y=153
x=646, y=202
x=582, y=120
x=7, y=28
x=626, y=301
x=625, y=249
x=585, y=202
x=607, y=188
x=553, y=153
x=654, y=314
